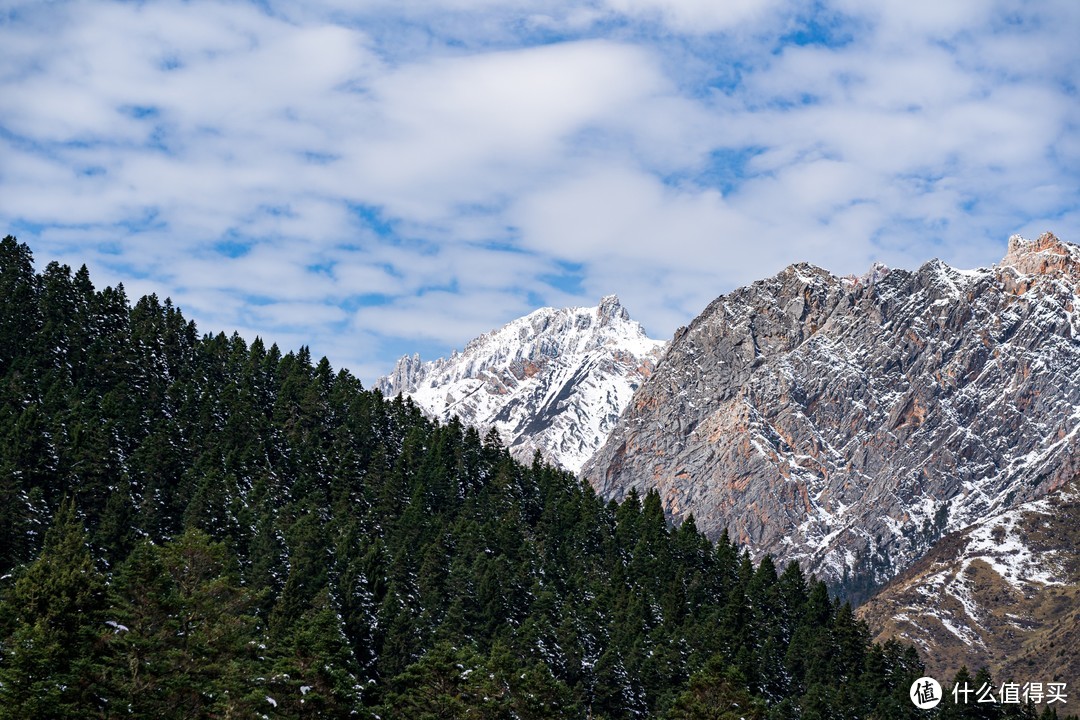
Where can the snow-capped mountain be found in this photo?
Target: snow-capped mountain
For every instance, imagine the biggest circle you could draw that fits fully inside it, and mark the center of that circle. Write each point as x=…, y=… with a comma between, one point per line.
x=848, y=423
x=555, y=380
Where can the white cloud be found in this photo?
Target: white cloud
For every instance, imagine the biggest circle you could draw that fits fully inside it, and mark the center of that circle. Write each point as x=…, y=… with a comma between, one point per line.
x=911, y=21
x=587, y=216
x=466, y=130
x=296, y=315
x=464, y=160
x=449, y=318
x=697, y=16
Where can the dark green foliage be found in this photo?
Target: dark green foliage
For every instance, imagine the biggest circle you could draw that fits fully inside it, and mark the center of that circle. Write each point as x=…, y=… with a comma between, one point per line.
x=717, y=692
x=265, y=537
x=20, y=314
x=184, y=641
x=448, y=682
x=315, y=673
x=53, y=657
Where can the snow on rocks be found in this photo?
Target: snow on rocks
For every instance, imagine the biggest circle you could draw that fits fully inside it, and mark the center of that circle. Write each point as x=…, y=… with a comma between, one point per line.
x=555, y=380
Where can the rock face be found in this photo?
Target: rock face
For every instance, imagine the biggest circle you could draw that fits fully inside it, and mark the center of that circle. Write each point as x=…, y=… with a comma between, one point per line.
x=848, y=423
x=553, y=381
x=1002, y=593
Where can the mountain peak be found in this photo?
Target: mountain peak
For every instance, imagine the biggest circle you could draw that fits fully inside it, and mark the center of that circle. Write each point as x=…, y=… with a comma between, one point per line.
x=1048, y=241
x=848, y=430
x=609, y=309
x=1045, y=255
x=876, y=272
x=555, y=380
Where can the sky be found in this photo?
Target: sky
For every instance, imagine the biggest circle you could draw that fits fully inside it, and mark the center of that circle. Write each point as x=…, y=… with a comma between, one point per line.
x=379, y=178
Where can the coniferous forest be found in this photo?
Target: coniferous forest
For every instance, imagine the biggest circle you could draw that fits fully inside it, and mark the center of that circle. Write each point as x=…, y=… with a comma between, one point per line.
x=197, y=527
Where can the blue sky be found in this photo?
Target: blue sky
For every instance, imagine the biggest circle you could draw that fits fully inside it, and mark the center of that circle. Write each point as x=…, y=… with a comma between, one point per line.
x=378, y=178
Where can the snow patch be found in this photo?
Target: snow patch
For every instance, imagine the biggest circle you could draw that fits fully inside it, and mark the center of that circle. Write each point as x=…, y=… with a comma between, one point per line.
x=997, y=542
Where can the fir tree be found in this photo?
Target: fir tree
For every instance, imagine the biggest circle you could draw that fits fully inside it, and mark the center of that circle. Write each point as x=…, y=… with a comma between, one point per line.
x=314, y=671
x=186, y=643
x=447, y=682
x=53, y=654
x=716, y=692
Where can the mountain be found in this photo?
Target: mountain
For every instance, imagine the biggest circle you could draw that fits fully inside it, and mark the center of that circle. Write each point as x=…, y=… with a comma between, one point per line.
x=849, y=423
x=1002, y=593
x=555, y=380
x=192, y=526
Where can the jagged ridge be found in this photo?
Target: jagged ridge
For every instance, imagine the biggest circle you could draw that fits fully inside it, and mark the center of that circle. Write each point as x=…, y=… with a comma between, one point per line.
x=849, y=423
x=555, y=380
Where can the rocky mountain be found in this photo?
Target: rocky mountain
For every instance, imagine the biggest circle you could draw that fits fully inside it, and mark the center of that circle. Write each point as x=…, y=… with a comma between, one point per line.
x=1002, y=593
x=555, y=380
x=849, y=423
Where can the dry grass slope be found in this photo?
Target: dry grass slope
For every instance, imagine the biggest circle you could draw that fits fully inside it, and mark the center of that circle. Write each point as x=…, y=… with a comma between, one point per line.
x=959, y=609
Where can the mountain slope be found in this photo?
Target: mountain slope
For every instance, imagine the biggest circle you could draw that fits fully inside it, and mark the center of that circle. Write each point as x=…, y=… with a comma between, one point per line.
x=1002, y=593
x=555, y=380
x=196, y=527
x=849, y=423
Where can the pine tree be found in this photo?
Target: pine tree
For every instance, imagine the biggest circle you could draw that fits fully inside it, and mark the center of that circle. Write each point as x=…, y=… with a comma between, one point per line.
x=959, y=702
x=53, y=654
x=19, y=314
x=447, y=682
x=314, y=669
x=309, y=561
x=186, y=643
x=716, y=692
x=528, y=688
x=891, y=668
x=27, y=471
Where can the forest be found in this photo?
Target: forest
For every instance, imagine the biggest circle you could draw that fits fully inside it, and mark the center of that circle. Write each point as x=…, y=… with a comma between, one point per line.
x=194, y=526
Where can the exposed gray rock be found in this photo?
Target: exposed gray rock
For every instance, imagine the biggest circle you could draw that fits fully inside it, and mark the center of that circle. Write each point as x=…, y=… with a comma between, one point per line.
x=849, y=423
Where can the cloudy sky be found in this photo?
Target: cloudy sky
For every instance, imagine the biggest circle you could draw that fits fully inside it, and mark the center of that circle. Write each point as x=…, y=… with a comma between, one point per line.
x=380, y=177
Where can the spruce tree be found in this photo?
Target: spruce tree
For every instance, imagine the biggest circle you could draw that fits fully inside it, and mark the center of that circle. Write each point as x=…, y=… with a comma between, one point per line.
x=447, y=682
x=53, y=620
x=187, y=645
x=19, y=312
x=716, y=692
x=314, y=672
